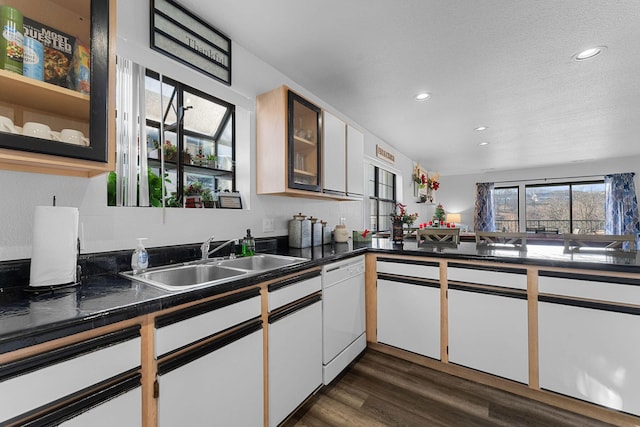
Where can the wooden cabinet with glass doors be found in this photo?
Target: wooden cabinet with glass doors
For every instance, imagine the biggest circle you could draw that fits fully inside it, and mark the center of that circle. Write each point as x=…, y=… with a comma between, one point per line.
x=303, y=143
x=290, y=147
x=52, y=124
x=288, y=152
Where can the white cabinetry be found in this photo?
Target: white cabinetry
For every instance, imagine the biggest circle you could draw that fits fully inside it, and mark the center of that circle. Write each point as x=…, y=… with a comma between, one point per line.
x=334, y=163
x=488, y=332
x=38, y=381
x=218, y=378
x=488, y=320
x=409, y=306
x=355, y=162
x=124, y=409
x=590, y=349
x=295, y=344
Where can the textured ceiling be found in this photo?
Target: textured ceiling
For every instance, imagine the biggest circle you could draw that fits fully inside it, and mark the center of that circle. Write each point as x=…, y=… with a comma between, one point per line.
x=505, y=64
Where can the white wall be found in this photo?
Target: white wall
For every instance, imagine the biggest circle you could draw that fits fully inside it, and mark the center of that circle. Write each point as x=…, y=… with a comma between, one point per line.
x=109, y=228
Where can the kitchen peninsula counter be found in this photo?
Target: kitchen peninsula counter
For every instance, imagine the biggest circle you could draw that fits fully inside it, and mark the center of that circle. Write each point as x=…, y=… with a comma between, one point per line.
x=31, y=318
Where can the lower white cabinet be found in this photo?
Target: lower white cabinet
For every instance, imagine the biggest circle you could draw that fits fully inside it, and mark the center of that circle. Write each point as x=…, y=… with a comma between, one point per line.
x=409, y=315
x=590, y=351
x=488, y=331
x=220, y=384
x=295, y=350
x=217, y=379
x=41, y=381
x=119, y=409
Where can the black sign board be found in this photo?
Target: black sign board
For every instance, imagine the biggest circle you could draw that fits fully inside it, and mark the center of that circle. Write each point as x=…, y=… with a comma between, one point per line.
x=178, y=33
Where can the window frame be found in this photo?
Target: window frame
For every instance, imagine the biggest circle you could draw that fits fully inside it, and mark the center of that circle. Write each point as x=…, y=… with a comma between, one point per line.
x=376, y=200
x=180, y=89
x=517, y=188
x=570, y=184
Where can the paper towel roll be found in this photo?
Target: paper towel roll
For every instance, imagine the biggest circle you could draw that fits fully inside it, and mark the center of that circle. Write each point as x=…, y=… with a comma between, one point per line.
x=55, y=246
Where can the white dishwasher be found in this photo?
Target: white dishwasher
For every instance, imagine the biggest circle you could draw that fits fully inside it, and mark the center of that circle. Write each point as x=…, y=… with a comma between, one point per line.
x=343, y=315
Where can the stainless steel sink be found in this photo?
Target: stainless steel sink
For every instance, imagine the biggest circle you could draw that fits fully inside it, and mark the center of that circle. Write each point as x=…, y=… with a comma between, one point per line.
x=186, y=276
x=212, y=272
x=261, y=262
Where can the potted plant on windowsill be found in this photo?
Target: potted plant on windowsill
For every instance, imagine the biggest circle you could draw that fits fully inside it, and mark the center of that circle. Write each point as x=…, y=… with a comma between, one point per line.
x=195, y=195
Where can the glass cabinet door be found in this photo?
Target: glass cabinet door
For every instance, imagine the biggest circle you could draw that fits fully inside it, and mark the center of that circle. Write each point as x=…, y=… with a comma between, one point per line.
x=304, y=144
x=59, y=109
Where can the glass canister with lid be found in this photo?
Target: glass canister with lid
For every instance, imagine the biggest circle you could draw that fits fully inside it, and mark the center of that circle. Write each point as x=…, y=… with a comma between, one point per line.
x=299, y=231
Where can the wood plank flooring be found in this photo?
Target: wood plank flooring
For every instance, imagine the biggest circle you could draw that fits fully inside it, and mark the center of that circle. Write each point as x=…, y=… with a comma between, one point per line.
x=381, y=390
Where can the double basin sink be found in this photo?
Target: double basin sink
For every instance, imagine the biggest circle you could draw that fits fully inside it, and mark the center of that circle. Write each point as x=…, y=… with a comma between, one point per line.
x=211, y=272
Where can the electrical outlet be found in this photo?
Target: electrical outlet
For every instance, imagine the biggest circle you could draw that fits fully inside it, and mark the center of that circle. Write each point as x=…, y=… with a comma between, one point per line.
x=267, y=225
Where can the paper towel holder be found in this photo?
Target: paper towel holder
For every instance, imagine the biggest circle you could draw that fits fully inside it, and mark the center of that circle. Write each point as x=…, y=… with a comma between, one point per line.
x=51, y=288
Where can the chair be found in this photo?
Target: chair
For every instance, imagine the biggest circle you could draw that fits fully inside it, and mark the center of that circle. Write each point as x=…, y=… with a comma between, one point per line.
x=439, y=235
x=601, y=241
x=492, y=238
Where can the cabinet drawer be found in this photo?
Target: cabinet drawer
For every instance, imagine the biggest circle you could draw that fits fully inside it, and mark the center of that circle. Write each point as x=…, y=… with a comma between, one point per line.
x=30, y=383
x=178, y=329
x=610, y=289
x=419, y=269
x=288, y=291
x=508, y=277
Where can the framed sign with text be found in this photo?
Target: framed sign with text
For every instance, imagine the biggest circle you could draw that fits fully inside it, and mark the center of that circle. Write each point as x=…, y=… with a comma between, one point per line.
x=178, y=33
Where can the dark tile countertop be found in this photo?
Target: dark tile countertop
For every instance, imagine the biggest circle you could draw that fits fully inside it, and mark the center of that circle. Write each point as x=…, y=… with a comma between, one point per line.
x=104, y=297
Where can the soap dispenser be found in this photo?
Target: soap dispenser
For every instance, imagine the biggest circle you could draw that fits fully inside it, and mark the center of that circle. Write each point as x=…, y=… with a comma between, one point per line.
x=140, y=257
x=248, y=244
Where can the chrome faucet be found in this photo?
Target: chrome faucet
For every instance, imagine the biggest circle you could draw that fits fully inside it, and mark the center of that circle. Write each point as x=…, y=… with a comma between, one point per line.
x=204, y=248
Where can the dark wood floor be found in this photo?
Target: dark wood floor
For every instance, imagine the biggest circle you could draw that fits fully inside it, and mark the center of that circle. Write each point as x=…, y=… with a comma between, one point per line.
x=381, y=390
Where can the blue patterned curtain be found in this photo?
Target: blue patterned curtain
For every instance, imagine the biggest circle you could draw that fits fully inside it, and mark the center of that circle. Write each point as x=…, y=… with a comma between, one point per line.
x=484, y=215
x=621, y=205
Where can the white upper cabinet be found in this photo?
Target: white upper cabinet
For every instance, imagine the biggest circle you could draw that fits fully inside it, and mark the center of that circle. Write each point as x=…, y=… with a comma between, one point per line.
x=335, y=154
x=355, y=162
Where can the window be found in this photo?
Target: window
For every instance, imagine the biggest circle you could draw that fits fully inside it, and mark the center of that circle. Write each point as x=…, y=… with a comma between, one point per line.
x=382, y=191
x=565, y=208
x=506, y=207
x=198, y=140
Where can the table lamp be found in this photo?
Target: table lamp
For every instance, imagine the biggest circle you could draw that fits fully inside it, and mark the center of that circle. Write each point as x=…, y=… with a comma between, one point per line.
x=454, y=218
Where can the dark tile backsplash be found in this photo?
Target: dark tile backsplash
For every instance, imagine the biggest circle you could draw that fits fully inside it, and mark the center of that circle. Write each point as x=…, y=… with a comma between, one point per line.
x=15, y=274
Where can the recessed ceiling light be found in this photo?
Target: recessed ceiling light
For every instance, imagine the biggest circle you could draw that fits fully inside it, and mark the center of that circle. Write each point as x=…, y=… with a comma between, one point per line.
x=589, y=53
x=481, y=128
x=423, y=96
x=482, y=144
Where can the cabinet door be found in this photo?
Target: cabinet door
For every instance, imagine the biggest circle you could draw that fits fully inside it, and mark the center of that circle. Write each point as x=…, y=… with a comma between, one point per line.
x=334, y=154
x=409, y=316
x=355, y=162
x=295, y=357
x=51, y=103
x=488, y=332
x=590, y=351
x=38, y=380
x=305, y=148
x=122, y=410
x=220, y=383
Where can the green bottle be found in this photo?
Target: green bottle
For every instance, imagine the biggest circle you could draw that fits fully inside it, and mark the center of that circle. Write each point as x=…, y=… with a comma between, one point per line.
x=11, y=40
x=248, y=244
